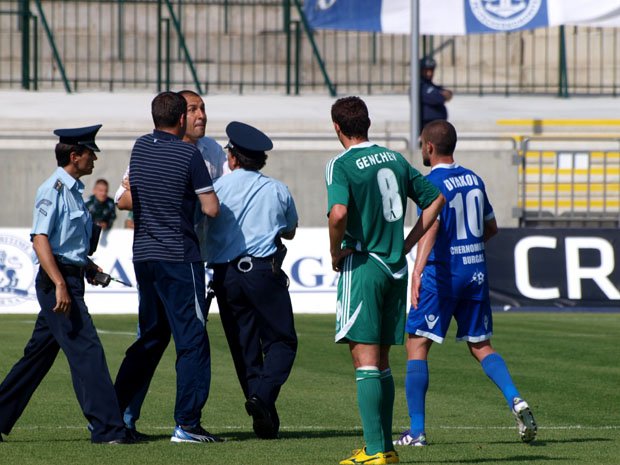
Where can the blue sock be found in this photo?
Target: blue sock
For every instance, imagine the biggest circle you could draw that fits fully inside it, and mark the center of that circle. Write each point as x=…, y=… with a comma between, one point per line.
x=416, y=385
x=495, y=368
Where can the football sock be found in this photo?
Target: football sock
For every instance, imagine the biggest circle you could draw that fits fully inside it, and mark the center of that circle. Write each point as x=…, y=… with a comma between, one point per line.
x=387, y=408
x=495, y=368
x=416, y=385
x=369, y=402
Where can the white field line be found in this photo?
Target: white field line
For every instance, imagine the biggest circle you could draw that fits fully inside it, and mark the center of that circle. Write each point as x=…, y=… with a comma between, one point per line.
x=339, y=428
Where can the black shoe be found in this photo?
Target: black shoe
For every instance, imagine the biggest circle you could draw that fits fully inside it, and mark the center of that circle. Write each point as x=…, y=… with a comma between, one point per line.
x=262, y=422
x=1, y=440
x=125, y=440
x=136, y=436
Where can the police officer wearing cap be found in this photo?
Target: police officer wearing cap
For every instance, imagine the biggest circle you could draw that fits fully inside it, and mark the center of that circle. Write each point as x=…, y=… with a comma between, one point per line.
x=246, y=252
x=433, y=98
x=61, y=236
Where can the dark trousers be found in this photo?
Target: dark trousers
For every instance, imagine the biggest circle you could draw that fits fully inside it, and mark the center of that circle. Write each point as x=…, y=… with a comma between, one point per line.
x=76, y=335
x=256, y=312
x=172, y=300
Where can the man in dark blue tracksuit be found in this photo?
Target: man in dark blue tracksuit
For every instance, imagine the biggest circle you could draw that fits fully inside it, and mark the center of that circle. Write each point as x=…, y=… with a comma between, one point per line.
x=432, y=96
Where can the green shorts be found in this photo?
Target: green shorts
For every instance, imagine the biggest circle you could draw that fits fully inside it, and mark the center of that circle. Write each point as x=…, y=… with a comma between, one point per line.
x=372, y=304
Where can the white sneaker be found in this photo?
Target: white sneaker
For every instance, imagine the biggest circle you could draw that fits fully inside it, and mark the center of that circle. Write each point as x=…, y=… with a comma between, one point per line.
x=407, y=440
x=525, y=419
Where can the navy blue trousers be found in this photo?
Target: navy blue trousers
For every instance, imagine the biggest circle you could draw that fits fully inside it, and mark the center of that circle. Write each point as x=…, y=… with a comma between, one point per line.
x=172, y=300
x=76, y=335
x=257, y=315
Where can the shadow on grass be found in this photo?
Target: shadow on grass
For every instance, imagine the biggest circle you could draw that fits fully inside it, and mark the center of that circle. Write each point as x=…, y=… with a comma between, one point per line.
x=511, y=459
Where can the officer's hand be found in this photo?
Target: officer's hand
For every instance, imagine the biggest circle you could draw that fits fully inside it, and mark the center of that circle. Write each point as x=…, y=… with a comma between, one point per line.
x=338, y=256
x=416, y=280
x=63, y=301
x=90, y=271
x=447, y=94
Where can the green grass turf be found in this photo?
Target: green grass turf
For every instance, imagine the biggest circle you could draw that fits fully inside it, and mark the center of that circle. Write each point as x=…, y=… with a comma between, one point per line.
x=565, y=365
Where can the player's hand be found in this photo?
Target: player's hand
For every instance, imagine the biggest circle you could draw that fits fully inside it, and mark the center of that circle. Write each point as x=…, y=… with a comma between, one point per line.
x=416, y=280
x=63, y=301
x=338, y=256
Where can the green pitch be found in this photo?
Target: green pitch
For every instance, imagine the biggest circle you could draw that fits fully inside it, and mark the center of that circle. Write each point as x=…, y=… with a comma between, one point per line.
x=565, y=365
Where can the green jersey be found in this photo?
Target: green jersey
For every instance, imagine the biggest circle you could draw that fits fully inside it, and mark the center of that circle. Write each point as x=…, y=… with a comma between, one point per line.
x=374, y=182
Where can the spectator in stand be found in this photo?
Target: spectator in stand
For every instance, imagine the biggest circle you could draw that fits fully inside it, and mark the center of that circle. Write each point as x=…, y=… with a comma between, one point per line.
x=100, y=206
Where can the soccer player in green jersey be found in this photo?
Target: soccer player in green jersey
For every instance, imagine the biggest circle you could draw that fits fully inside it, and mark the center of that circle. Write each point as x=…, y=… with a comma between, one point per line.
x=367, y=190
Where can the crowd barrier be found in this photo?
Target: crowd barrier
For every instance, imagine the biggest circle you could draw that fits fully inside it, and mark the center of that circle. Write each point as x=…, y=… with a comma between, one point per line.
x=526, y=268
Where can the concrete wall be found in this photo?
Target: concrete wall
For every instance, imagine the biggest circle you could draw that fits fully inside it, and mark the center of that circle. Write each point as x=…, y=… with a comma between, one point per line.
x=302, y=171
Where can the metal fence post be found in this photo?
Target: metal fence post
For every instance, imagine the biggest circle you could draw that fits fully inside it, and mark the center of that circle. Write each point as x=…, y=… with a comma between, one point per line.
x=159, y=49
x=286, y=5
x=297, y=56
x=315, y=49
x=563, y=72
x=50, y=38
x=24, y=15
x=35, y=52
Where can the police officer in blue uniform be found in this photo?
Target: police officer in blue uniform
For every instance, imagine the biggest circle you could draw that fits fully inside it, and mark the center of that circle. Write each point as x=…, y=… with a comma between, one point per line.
x=61, y=235
x=433, y=98
x=245, y=250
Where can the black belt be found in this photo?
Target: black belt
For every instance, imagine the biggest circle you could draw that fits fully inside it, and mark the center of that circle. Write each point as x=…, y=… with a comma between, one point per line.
x=69, y=270
x=247, y=263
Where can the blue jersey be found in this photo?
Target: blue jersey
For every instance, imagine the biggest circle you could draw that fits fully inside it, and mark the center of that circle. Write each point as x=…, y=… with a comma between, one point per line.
x=456, y=266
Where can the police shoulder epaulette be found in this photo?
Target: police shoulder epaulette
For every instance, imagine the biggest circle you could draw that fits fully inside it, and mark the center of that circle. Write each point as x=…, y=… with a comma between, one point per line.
x=58, y=185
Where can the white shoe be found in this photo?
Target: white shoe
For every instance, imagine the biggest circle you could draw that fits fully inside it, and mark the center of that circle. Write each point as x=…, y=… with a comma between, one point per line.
x=407, y=440
x=525, y=419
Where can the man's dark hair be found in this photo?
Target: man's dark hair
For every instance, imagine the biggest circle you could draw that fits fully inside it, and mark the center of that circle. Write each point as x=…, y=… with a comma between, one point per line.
x=167, y=109
x=250, y=163
x=351, y=114
x=442, y=135
x=102, y=181
x=63, y=152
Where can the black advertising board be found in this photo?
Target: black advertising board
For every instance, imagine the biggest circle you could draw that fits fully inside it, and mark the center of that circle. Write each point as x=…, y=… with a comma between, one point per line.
x=554, y=267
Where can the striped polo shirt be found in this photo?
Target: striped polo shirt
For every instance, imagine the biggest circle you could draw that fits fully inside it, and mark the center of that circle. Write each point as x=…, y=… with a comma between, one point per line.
x=165, y=175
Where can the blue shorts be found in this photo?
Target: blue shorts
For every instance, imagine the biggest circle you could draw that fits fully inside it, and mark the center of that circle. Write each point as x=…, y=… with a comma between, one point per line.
x=432, y=318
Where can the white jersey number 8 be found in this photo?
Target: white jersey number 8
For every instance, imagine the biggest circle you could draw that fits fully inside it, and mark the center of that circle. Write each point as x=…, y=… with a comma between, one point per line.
x=392, y=203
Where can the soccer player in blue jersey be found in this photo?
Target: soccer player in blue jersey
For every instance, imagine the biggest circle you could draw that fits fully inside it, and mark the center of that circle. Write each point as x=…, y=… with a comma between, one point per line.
x=449, y=279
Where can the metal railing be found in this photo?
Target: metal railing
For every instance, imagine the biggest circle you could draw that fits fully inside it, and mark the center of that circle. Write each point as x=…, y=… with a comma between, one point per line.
x=266, y=45
x=570, y=181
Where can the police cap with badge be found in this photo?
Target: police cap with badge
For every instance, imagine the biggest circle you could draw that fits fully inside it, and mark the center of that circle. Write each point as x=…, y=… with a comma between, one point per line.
x=247, y=140
x=79, y=136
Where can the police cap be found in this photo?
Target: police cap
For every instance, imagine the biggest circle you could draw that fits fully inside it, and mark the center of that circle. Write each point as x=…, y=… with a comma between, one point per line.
x=79, y=136
x=247, y=139
x=427, y=63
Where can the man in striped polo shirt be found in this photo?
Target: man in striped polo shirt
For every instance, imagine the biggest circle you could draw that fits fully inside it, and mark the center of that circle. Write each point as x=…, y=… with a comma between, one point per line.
x=167, y=178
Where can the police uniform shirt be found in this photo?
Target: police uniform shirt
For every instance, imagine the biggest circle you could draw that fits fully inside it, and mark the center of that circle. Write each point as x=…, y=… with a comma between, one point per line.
x=61, y=215
x=254, y=209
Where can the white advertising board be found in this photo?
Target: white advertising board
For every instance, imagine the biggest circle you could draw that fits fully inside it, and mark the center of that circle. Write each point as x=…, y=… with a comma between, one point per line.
x=308, y=265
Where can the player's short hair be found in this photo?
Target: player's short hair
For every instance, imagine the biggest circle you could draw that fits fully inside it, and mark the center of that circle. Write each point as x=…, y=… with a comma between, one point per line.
x=63, y=152
x=167, y=108
x=351, y=114
x=442, y=135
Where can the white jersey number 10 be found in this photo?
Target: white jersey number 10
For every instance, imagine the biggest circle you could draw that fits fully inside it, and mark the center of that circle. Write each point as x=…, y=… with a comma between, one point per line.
x=472, y=215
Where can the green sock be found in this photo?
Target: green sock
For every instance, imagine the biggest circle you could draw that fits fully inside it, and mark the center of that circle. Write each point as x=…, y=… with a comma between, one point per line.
x=369, y=402
x=387, y=408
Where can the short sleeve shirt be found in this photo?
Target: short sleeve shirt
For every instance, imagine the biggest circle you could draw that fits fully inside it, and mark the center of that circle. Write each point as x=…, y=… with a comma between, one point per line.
x=254, y=210
x=165, y=175
x=456, y=265
x=61, y=214
x=374, y=183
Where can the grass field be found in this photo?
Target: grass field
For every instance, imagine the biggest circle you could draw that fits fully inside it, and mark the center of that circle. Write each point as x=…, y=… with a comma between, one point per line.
x=566, y=365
